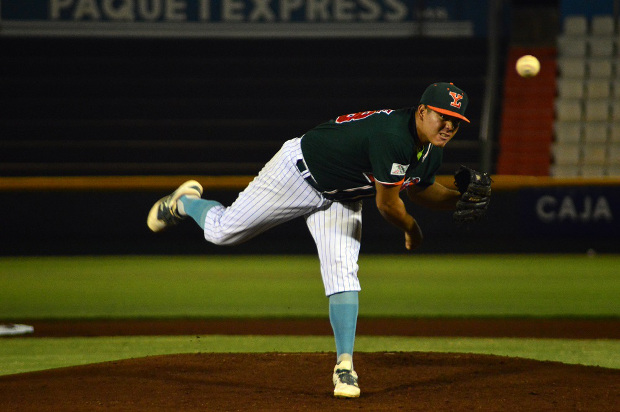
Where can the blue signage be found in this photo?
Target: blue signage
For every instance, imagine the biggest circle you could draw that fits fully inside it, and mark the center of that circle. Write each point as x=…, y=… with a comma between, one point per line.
x=571, y=211
x=331, y=17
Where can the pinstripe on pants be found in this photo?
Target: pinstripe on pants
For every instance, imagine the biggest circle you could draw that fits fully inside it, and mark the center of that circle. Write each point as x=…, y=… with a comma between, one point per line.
x=278, y=194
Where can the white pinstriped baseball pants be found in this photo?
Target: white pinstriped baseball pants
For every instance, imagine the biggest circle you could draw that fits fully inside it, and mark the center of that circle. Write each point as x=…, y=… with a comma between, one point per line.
x=278, y=194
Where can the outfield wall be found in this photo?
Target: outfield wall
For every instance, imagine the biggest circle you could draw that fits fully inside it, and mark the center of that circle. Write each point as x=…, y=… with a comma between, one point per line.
x=107, y=215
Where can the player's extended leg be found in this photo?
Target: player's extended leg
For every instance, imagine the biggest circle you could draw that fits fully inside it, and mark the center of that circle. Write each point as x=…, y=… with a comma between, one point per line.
x=337, y=233
x=278, y=194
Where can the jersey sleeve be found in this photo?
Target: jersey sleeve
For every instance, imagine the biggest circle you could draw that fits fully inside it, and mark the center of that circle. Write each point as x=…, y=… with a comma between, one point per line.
x=390, y=158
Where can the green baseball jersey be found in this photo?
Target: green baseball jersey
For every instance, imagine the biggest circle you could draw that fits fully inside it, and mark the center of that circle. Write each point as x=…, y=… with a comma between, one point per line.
x=348, y=154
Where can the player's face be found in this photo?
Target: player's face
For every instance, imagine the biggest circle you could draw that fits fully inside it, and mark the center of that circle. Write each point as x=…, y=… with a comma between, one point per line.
x=436, y=128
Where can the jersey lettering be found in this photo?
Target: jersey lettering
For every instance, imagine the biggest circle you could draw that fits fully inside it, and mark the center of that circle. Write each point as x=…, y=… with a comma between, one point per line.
x=361, y=115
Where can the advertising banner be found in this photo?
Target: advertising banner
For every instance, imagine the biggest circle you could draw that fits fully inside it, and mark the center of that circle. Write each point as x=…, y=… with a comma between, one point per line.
x=571, y=211
x=244, y=18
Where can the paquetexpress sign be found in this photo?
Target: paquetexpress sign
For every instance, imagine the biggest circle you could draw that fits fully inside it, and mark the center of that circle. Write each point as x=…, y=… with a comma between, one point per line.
x=243, y=17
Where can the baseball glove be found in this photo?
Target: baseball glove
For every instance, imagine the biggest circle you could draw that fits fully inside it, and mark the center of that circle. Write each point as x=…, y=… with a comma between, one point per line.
x=475, y=188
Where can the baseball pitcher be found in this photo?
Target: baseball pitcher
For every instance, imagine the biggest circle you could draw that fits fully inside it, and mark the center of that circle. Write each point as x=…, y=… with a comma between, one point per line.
x=323, y=175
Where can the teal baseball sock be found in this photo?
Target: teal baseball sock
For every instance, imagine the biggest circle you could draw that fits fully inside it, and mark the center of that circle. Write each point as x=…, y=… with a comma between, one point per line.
x=343, y=309
x=196, y=208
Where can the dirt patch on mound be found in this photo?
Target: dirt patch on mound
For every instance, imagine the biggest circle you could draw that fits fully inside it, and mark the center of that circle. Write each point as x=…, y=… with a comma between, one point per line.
x=285, y=382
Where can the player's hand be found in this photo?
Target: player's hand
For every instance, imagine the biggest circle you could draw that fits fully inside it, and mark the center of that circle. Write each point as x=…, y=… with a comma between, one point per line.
x=413, y=237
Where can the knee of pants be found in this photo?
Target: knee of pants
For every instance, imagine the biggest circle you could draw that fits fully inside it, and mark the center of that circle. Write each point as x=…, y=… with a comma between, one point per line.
x=228, y=236
x=221, y=232
x=225, y=239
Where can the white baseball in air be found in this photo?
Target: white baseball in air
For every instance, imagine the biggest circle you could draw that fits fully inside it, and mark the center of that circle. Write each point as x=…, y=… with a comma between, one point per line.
x=528, y=66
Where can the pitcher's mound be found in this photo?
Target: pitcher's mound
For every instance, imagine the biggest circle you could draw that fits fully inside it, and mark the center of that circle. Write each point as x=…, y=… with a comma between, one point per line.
x=301, y=381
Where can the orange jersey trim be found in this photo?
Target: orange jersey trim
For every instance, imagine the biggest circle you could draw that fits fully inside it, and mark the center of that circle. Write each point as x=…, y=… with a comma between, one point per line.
x=391, y=184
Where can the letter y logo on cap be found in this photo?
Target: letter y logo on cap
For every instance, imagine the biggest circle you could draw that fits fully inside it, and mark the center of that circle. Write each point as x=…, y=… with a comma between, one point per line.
x=455, y=99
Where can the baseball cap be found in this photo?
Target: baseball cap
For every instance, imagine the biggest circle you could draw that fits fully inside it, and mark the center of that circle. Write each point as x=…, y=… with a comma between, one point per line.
x=447, y=99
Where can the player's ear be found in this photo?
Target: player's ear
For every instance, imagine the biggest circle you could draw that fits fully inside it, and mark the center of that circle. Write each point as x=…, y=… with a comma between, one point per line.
x=421, y=111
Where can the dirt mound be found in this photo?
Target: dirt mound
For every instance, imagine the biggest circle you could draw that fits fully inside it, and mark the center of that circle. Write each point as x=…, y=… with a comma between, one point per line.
x=285, y=382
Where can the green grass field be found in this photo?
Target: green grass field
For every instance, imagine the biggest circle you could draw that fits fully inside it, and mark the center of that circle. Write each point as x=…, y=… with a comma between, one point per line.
x=290, y=286
x=218, y=286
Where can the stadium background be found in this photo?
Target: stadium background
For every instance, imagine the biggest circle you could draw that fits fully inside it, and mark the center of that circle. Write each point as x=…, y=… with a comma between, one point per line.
x=81, y=103
x=106, y=105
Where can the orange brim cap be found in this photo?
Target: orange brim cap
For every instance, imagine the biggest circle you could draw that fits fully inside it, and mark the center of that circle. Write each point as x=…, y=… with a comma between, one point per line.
x=449, y=113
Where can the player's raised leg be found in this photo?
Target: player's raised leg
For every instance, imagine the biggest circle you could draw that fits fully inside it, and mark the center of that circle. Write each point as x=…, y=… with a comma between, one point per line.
x=278, y=194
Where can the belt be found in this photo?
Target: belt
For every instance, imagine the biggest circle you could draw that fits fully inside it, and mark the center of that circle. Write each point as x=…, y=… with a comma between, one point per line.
x=336, y=196
x=305, y=173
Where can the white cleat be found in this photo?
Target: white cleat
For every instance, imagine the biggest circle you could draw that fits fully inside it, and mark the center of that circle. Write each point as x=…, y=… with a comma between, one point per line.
x=164, y=212
x=345, y=380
